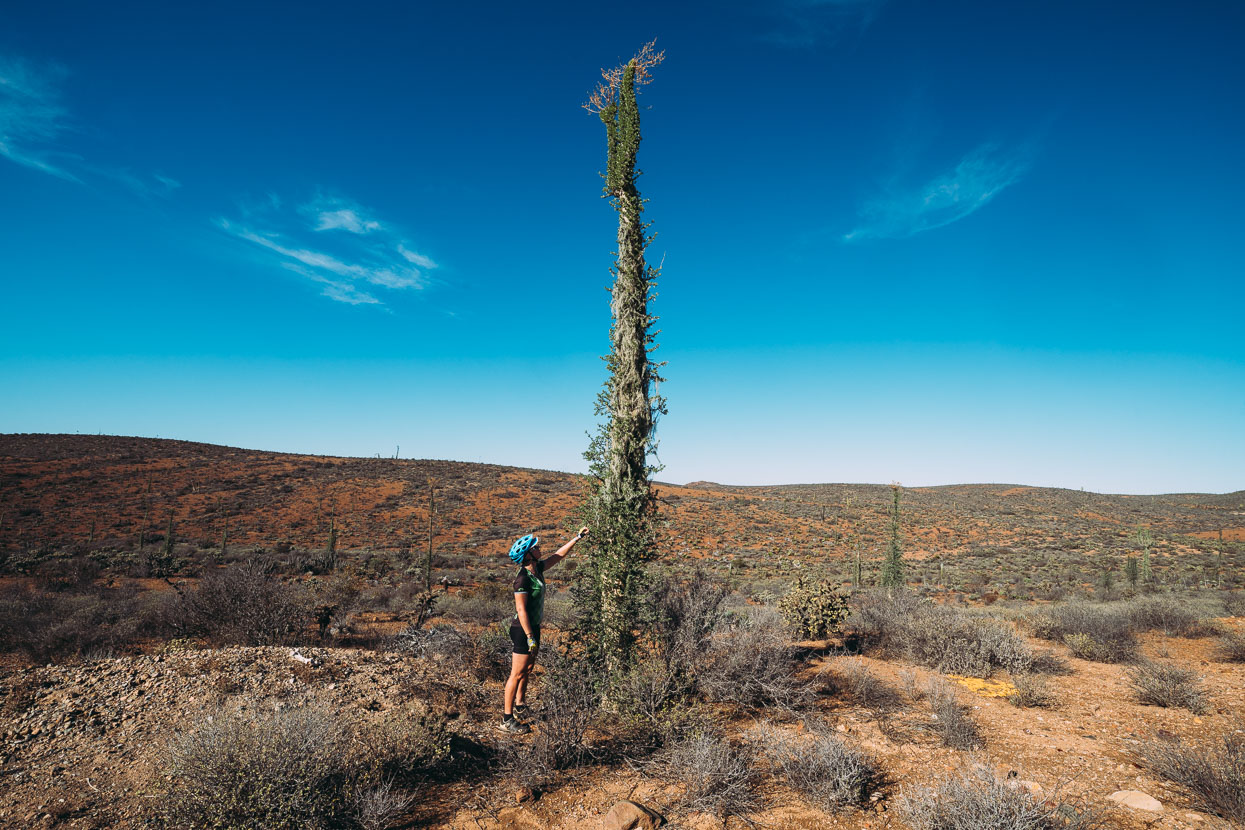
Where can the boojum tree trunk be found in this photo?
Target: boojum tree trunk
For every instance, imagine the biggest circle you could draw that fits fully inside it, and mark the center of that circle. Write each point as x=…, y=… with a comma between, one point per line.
x=621, y=509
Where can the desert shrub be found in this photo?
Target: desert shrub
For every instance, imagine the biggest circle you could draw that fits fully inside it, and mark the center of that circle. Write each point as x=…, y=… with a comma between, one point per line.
x=717, y=776
x=1214, y=777
x=653, y=707
x=867, y=689
x=752, y=664
x=977, y=800
x=379, y=807
x=242, y=604
x=943, y=638
x=949, y=719
x=53, y=626
x=1164, y=613
x=1234, y=603
x=1048, y=662
x=291, y=769
x=685, y=617
x=440, y=640
x=1231, y=648
x=490, y=656
x=485, y=655
x=813, y=611
x=878, y=617
x=76, y=574
x=486, y=605
x=569, y=704
x=1103, y=633
x=403, y=748
x=1032, y=691
x=825, y=770
x=1164, y=684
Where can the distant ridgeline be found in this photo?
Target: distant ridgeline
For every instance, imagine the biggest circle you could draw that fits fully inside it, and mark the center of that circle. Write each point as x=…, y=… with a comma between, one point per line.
x=126, y=503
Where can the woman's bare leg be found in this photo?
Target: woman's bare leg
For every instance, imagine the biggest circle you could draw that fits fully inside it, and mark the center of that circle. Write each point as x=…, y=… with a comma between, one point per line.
x=519, y=667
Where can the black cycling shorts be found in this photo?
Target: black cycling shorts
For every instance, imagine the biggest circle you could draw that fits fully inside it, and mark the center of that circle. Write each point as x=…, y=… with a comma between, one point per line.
x=520, y=639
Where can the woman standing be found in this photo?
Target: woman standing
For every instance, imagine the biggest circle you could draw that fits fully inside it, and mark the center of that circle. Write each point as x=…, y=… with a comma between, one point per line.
x=529, y=606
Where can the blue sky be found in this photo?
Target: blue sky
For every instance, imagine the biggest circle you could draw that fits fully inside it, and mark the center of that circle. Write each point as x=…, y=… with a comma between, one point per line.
x=928, y=242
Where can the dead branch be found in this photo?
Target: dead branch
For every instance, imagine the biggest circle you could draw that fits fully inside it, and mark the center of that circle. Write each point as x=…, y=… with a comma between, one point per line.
x=606, y=92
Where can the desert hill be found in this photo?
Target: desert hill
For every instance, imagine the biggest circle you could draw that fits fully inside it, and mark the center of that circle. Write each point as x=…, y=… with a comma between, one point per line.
x=134, y=670
x=109, y=495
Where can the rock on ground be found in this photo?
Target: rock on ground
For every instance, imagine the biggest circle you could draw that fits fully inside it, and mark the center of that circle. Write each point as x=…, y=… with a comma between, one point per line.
x=628, y=815
x=1137, y=800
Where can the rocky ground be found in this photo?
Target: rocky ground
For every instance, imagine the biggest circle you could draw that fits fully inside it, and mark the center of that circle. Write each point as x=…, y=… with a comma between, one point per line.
x=81, y=743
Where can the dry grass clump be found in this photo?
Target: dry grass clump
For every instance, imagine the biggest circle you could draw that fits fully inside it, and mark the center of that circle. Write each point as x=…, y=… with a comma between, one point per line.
x=1231, y=648
x=1032, y=691
x=824, y=769
x=1171, y=616
x=900, y=624
x=1164, y=684
x=295, y=768
x=949, y=719
x=752, y=664
x=243, y=605
x=867, y=689
x=379, y=807
x=1214, y=777
x=1106, y=632
x=73, y=620
x=568, y=707
x=1103, y=633
x=977, y=800
x=717, y=776
x=289, y=770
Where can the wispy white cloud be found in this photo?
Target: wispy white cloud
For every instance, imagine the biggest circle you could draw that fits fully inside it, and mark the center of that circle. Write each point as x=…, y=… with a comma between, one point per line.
x=343, y=292
x=33, y=122
x=31, y=116
x=371, y=254
x=976, y=180
x=805, y=23
x=415, y=257
x=333, y=213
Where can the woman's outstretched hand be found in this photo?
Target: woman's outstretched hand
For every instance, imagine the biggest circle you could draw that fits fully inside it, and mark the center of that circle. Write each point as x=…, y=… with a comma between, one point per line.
x=583, y=531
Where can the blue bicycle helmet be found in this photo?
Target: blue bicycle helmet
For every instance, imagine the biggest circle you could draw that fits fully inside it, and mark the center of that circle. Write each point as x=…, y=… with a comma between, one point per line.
x=520, y=548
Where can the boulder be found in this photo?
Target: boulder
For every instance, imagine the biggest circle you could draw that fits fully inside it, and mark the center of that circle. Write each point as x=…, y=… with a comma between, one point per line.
x=1137, y=800
x=628, y=815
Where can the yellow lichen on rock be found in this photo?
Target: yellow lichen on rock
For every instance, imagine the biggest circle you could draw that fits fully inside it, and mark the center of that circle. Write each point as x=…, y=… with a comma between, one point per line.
x=984, y=687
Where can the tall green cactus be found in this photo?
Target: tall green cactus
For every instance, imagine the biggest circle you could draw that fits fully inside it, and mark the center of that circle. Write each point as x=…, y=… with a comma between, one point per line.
x=893, y=566
x=621, y=509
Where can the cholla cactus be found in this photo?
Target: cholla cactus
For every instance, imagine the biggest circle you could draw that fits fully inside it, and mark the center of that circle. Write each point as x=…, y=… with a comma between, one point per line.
x=813, y=611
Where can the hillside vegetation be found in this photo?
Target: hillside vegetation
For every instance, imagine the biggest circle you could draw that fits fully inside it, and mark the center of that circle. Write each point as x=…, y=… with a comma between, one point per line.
x=103, y=496
x=206, y=637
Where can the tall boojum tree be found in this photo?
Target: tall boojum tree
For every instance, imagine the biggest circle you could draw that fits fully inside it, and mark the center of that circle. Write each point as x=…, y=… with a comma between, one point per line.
x=621, y=507
x=893, y=565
